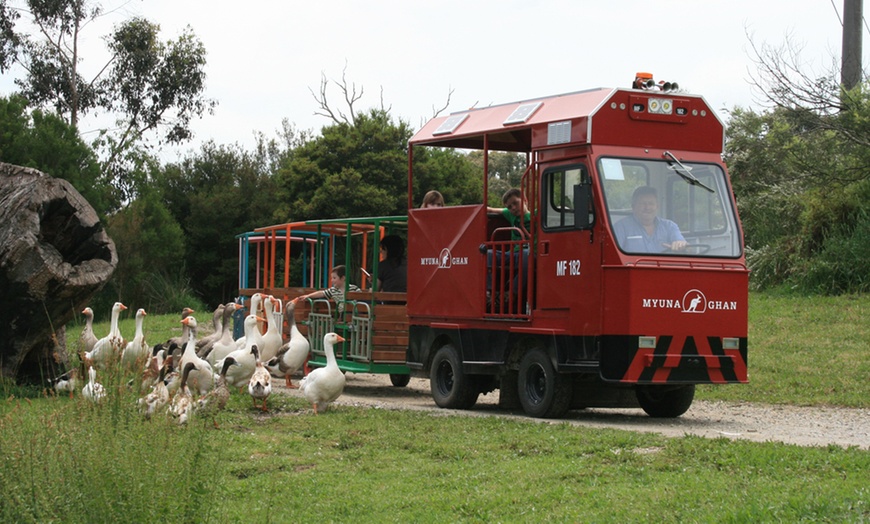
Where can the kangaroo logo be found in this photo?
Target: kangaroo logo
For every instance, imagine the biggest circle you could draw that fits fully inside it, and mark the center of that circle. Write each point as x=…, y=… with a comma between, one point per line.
x=694, y=301
x=444, y=260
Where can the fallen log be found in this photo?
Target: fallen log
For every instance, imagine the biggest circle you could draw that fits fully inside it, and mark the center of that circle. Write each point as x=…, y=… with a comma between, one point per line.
x=54, y=256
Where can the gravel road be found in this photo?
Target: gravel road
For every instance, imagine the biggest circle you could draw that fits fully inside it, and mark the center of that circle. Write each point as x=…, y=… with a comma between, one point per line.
x=803, y=426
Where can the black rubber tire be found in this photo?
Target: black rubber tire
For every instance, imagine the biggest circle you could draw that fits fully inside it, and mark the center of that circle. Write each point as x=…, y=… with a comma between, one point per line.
x=451, y=387
x=665, y=401
x=543, y=392
x=508, y=394
x=399, y=380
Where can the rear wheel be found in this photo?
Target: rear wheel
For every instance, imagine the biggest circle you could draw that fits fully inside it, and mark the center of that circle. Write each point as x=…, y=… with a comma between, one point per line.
x=451, y=387
x=665, y=401
x=543, y=392
x=399, y=380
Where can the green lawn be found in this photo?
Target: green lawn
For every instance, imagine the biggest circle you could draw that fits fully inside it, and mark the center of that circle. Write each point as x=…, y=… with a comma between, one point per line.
x=65, y=460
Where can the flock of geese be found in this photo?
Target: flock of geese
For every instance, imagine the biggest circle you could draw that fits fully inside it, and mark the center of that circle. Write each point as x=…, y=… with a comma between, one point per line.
x=186, y=376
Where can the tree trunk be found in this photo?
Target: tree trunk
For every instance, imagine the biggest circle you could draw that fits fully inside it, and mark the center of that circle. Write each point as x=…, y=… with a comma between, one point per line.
x=54, y=256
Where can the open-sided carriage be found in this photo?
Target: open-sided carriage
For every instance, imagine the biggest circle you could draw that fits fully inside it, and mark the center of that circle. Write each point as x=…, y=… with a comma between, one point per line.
x=294, y=259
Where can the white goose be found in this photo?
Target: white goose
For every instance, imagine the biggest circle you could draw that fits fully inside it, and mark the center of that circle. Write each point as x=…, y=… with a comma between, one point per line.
x=256, y=334
x=93, y=390
x=110, y=346
x=182, y=403
x=294, y=354
x=271, y=340
x=239, y=375
x=323, y=385
x=204, y=344
x=225, y=344
x=87, y=339
x=136, y=352
x=260, y=385
x=202, y=375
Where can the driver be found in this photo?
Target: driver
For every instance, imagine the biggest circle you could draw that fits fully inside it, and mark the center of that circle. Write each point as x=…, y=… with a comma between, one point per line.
x=644, y=231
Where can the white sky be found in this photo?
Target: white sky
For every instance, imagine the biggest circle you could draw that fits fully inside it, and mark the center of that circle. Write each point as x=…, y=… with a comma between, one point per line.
x=265, y=56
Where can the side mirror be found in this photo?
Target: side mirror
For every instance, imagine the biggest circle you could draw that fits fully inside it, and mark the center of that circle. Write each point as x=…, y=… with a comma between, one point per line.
x=583, y=215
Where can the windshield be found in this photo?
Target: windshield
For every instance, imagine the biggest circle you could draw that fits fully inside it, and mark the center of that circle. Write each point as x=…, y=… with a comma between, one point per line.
x=669, y=207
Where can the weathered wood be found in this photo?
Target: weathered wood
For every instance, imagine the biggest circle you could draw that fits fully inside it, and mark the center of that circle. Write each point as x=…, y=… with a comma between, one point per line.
x=54, y=256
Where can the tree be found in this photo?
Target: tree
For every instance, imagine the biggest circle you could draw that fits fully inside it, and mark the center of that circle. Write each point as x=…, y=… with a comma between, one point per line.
x=357, y=169
x=147, y=84
x=9, y=41
x=47, y=143
x=150, y=246
x=216, y=194
x=800, y=174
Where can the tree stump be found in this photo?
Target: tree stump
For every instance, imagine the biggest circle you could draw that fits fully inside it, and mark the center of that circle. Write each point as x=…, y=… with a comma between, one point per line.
x=54, y=256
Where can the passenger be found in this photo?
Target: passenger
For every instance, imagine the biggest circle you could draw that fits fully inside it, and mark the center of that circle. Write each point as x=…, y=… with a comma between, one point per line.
x=338, y=278
x=393, y=268
x=432, y=199
x=518, y=216
x=644, y=231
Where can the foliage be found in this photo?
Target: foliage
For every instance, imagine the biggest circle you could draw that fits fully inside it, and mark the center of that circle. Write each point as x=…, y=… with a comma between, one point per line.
x=9, y=41
x=448, y=171
x=150, y=246
x=352, y=169
x=801, y=204
x=148, y=85
x=505, y=172
x=47, y=143
x=214, y=195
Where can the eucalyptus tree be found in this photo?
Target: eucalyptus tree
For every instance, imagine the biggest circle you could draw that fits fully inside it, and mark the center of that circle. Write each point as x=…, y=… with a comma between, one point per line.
x=152, y=88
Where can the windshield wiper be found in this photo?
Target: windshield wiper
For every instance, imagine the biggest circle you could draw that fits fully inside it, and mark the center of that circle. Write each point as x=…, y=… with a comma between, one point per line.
x=685, y=172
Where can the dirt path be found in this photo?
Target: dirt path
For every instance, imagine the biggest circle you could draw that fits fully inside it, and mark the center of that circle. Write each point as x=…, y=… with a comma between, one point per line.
x=757, y=422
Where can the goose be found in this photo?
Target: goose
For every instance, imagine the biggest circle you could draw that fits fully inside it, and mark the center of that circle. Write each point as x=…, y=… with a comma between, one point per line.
x=323, y=385
x=156, y=399
x=238, y=376
x=271, y=340
x=215, y=400
x=93, y=390
x=294, y=354
x=202, y=375
x=260, y=385
x=110, y=346
x=153, y=365
x=224, y=345
x=181, y=407
x=68, y=382
x=206, y=342
x=87, y=339
x=136, y=352
x=241, y=342
x=181, y=340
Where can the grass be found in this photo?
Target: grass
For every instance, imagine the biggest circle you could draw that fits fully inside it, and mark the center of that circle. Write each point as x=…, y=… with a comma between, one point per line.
x=806, y=351
x=65, y=460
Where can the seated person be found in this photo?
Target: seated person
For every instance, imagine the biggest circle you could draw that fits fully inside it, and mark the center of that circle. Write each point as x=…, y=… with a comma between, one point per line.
x=393, y=267
x=644, y=231
x=518, y=216
x=432, y=199
x=338, y=279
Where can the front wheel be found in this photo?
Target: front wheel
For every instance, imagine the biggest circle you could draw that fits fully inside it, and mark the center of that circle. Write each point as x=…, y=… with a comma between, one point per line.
x=665, y=401
x=543, y=392
x=451, y=387
x=399, y=380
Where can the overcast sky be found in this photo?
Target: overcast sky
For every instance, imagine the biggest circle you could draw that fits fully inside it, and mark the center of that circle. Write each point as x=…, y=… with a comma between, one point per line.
x=265, y=56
